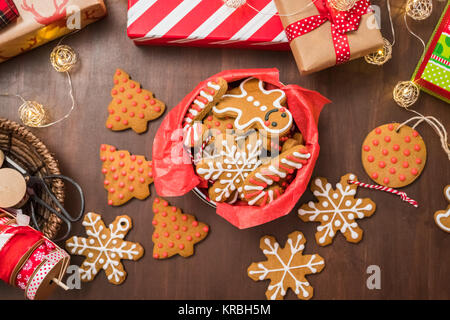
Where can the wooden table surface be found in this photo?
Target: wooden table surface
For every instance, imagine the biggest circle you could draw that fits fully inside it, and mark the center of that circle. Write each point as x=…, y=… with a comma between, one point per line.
x=404, y=242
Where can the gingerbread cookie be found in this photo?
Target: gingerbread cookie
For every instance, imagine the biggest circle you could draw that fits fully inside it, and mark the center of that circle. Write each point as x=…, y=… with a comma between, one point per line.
x=394, y=158
x=286, y=267
x=336, y=210
x=208, y=97
x=292, y=142
x=104, y=248
x=131, y=106
x=238, y=157
x=175, y=232
x=126, y=176
x=257, y=184
x=442, y=217
x=256, y=107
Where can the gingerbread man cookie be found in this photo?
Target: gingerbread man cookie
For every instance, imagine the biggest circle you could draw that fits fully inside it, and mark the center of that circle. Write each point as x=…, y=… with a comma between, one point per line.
x=131, y=106
x=208, y=97
x=104, y=248
x=175, y=232
x=286, y=267
x=126, y=176
x=394, y=158
x=257, y=184
x=256, y=107
x=238, y=157
x=442, y=217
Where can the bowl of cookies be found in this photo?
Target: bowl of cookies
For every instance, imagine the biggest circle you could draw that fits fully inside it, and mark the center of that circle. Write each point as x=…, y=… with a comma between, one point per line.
x=243, y=142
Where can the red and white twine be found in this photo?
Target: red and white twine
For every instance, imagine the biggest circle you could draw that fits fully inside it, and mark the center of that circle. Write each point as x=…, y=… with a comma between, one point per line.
x=401, y=194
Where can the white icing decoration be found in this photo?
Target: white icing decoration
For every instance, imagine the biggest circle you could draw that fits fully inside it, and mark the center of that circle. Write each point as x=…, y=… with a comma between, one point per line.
x=207, y=96
x=214, y=86
x=337, y=211
x=239, y=112
x=287, y=268
x=126, y=250
x=250, y=98
x=263, y=108
x=256, y=103
x=291, y=163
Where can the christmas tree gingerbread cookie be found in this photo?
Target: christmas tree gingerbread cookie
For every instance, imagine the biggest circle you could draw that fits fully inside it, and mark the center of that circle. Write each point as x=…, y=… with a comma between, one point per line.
x=131, y=106
x=126, y=176
x=336, y=210
x=104, y=248
x=175, y=232
x=286, y=267
x=252, y=106
x=442, y=217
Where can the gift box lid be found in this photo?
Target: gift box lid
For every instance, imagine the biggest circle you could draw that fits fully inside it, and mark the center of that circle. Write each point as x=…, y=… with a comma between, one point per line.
x=206, y=23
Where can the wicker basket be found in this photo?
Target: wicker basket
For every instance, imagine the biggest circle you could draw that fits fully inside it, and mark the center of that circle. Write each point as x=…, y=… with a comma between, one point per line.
x=30, y=153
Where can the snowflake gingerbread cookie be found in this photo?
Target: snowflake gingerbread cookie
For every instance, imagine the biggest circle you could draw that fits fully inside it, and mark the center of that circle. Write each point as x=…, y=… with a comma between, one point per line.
x=238, y=156
x=442, y=217
x=286, y=267
x=336, y=210
x=104, y=248
x=255, y=107
x=131, y=106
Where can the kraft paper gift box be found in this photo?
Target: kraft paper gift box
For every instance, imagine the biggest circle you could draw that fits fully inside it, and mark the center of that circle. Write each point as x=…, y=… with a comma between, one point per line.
x=322, y=37
x=41, y=21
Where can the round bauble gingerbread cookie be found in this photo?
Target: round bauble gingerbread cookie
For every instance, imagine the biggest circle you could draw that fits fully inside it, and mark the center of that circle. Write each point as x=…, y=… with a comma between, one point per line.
x=394, y=157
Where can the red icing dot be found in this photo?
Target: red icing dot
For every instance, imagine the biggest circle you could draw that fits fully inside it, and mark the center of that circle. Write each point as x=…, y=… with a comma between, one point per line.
x=415, y=134
x=134, y=103
x=157, y=200
x=385, y=152
x=194, y=223
x=396, y=147
x=174, y=209
x=184, y=228
x=166, y=234
x=176, y=227
x=118, y=72
x=205, y=228
x=170, y=244
x=117, y=118
x=138, y=90
x=164, y=254
x=366, y=148
x=184, y=218
x=160, y=245
x=124, y=109
x=375, y=175
x=401, y=177
x=111, y=158
x=143, y=106
x=156, y=210
x=129, y=96
x=116, y=81
x=382, y=164
x=110, y=202
x=141, y=115
x=418, y=161
x=111, y=111
x=267, y=123
x=125, y=80
x=104, y=171
x=177, y=236
x=417, y=147
x=119, y=101
x=156, y=256
x=156, y=235
x=146, y=97
x=130, y=177
x=125, y=122
x=164, y=214
x=103, y=158
x=165, y=203
x=112, y=190
x=405, y=164
x=140, y=170
x=386, y=180
x=375, y=142
x=414, y=171
x=157, y=108
x=106, y=182
x=189, y=238
x=152, y=102
x=123, y=173
x=154, y=222
x=391, y=126
x=392, y=170
x=197, y=234
x=406, y=152
x=114, y=92
x=229, y=126
x=377, y=130
x=387, y=139
x=121, y=89
x=131, y=188
x=370, y=158
x=121, y=184
x=133, y=158
x=115, y=177
x=181, y=246
x=164, y=224
x=173, y=218
x=407, y=139
x=132, y=85
x=394, y=160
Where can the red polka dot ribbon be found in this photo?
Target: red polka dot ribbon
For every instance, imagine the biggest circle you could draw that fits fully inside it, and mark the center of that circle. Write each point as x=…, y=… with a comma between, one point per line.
x=342, y=22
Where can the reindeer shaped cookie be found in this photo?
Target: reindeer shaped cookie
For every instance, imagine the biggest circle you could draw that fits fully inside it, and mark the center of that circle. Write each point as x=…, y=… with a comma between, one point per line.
x=255, y=107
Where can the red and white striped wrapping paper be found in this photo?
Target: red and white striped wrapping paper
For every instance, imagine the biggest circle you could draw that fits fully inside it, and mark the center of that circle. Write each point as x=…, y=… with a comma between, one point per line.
x=206, y=23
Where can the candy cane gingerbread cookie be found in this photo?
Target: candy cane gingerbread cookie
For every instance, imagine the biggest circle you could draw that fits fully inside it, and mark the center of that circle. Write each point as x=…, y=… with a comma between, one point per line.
x=257, y=185
x=208, y=97
x=255, y=107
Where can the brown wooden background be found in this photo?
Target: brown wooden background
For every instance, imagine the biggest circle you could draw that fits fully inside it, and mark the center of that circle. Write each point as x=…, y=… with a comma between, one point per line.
x=412, y=252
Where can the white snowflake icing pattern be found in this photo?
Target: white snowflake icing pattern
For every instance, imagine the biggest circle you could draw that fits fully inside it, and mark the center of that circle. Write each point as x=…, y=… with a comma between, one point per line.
x=286, y=267
x=106, y=247
x=336, y=210
x=230, y=169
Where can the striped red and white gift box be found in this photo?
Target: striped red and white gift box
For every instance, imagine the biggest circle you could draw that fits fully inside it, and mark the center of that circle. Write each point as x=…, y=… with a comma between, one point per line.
x=206, y=23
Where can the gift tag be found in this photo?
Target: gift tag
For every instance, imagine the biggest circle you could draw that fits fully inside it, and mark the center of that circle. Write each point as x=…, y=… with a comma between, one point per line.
x=394, y=155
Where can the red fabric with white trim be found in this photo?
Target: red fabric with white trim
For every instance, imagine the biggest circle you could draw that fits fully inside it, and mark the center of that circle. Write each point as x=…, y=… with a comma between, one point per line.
x=342, y=22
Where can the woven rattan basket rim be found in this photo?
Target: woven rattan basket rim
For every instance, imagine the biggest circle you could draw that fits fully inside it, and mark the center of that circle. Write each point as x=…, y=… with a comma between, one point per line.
x=30, y=152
